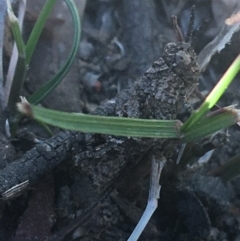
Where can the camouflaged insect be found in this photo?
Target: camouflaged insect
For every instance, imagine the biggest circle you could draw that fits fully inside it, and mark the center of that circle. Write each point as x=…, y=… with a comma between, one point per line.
x=162, y=92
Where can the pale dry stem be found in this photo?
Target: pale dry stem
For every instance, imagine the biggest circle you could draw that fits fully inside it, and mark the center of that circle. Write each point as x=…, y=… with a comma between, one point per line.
x=154, y=194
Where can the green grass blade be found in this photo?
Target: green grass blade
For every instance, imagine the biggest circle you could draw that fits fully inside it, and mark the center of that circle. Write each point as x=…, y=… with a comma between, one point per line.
x=17, y=84
x=218, y=120
x=53, y=83
x=16, y=30
x=20, y=71
x=37, y=30
x=215, y=94
x=103, y=125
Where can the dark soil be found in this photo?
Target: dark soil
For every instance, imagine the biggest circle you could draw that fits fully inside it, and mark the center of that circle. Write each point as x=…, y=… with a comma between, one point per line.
x=119, y=42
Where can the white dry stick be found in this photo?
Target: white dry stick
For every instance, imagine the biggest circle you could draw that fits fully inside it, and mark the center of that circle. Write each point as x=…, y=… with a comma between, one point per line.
x=219, y=42
x=154, y=194
x=14, y=56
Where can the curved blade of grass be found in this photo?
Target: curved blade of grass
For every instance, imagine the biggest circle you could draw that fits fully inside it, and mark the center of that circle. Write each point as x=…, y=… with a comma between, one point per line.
x=215, y=95
x=15, y=54
x=103, y=125
x=36, y=97
x=20, y=71
x=24, y=57
x=37, y=30
x=17, y=84
x=218, y=120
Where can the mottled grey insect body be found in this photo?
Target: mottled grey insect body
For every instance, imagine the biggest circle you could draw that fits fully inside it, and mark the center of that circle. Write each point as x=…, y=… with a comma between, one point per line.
x=166, y=86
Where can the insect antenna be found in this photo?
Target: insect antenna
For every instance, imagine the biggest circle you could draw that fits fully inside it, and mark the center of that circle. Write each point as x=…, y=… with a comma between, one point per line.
x=177, y=29
x=189, y=35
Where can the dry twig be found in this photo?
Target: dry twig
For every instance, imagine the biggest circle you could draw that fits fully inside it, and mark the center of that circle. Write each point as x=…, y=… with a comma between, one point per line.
x=154, y=194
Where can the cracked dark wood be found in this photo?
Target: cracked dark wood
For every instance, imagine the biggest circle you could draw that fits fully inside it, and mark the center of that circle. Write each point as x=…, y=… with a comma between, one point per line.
x=40, y=160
